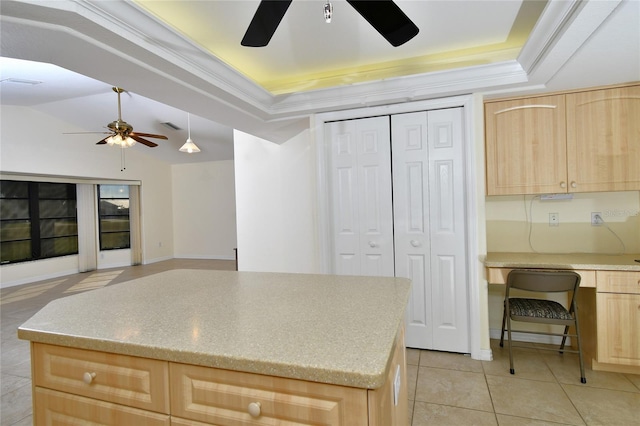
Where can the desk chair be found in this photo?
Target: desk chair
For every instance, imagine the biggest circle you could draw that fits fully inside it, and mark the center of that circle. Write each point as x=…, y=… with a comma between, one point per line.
x=540, y=310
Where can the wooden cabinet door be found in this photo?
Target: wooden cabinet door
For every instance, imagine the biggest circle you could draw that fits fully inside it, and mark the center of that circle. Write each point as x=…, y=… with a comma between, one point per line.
x=618, y=325
x=227, y=398
x=603, y=140
x=526, y=146
x=53, y=408
x=132, y=381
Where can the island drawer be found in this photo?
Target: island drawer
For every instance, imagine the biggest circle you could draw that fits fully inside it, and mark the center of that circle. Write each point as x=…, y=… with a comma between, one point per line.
x=136, y=382
x=53, y=408
x=224, y=397
x=618, y=282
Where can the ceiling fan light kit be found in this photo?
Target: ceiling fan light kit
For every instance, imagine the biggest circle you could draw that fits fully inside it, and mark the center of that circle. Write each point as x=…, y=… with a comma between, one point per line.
x=123, y=134
x=383, y=15
x=118, y=140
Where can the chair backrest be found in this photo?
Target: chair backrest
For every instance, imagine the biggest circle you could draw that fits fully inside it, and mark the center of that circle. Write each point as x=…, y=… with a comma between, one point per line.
x=543, y=280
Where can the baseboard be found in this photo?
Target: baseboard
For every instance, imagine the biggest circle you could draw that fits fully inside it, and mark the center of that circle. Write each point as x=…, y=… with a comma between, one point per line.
x=483, y=355
x=30, y=280
x=201, y=257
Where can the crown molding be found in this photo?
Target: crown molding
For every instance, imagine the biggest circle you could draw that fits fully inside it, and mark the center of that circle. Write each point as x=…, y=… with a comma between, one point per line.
x=121, y=35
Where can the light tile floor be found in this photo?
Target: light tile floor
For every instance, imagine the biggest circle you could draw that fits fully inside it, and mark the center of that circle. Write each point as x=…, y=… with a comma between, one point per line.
x=444, y=388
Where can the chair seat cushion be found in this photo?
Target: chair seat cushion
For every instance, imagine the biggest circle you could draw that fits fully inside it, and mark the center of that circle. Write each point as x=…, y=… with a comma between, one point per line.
x=538, y=308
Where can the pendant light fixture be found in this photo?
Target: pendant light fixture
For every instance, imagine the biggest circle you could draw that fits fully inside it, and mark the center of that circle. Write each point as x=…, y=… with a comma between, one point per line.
x=189, y=146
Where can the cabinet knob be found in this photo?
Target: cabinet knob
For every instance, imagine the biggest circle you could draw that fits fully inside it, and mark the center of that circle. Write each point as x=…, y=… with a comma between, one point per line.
x=574, y=184
x=563, y=184
x=415, y=243
x=254, y=409
x=88, y=377
x=373, y=244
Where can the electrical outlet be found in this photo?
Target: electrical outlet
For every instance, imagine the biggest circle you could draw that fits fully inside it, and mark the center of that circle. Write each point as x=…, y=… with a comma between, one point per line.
x=596, y=219
x=554, y=219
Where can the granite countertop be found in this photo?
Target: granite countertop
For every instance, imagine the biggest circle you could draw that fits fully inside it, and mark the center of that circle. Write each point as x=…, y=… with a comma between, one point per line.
x=323, y=328
x=623, y=262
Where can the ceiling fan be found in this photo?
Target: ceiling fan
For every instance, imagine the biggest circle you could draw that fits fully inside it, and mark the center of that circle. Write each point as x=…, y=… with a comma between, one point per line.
x=384, y=15
x=122, y=133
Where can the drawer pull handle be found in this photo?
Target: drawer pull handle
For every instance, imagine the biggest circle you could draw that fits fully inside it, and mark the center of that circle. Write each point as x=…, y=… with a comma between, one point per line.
x=254, y=409
x=563, y=184
x=88, y=377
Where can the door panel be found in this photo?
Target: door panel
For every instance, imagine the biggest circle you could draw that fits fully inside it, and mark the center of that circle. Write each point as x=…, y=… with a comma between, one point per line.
x=448, y=231
x=429, y=214
x=361, y=196
x=411, y=218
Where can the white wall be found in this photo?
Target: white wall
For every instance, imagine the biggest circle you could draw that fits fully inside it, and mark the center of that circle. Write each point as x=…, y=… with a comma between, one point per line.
x=204, y=210
x=33, y=143
x=276, y=208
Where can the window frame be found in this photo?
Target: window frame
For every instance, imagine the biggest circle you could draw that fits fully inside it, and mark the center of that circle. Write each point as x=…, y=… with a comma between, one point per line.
x=35, y=220
x=101, y=243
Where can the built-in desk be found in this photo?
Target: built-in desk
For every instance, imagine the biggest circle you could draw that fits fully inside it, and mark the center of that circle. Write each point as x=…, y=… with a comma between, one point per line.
x=609, y=314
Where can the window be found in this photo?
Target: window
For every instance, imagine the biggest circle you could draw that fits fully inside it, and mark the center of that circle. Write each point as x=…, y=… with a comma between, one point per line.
x=113, y=211
x=37, y=220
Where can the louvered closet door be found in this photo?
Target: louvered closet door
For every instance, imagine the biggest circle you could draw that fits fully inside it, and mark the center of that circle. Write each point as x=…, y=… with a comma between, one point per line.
x=430, y=235
x=361, y=196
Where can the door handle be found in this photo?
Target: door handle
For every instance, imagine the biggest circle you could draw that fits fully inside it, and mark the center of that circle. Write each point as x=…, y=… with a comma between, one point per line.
x=373, y=244
x=415, y=243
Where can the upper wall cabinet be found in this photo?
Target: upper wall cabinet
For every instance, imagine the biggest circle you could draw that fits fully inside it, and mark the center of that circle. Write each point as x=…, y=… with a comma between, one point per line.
x=574, y=142
x=603, y=139
x=526, y=146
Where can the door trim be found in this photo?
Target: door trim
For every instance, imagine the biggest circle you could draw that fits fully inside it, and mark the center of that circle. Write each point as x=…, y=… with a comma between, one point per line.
x=469, y=105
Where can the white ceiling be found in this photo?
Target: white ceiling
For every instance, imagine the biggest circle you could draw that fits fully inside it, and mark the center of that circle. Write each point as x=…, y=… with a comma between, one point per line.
x=178, y=56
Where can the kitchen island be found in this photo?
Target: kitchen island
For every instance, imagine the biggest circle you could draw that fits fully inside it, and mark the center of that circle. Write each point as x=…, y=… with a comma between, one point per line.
x=216, y=347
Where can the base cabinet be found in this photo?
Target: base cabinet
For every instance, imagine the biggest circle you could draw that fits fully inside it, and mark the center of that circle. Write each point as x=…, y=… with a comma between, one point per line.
x=73, y=386
x=618, y=306
x=59, y=408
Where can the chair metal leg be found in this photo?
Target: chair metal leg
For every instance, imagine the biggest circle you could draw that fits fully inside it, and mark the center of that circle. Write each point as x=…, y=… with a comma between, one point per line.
x=583, y=379
x=564, y=339
x=511, y=369
x=504, y=317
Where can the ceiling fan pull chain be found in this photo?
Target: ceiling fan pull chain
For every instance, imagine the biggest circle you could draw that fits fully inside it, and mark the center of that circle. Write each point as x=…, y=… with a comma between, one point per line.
x=122, y=160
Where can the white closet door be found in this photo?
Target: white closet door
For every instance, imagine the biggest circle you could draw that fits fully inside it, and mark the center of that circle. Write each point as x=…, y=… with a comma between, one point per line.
x=411, y=217
x=430, y=235
x=361, y=196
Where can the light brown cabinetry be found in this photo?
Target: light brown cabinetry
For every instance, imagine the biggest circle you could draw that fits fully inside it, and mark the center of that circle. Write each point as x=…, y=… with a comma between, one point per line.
x=526, y=146
x=603, y=139
x=618, y=306
x=223, y=397
x=203, y=395
x=59, y=408
x=570, y=142
x=86, y=385
x=75, y=386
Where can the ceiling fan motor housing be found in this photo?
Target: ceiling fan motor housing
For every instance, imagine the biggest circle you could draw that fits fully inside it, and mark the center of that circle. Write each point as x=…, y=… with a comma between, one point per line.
x=120, y=127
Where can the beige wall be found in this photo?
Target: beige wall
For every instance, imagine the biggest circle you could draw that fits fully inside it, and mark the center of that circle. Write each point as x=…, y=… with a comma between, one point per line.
x=510, y=219
x=204, y=210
